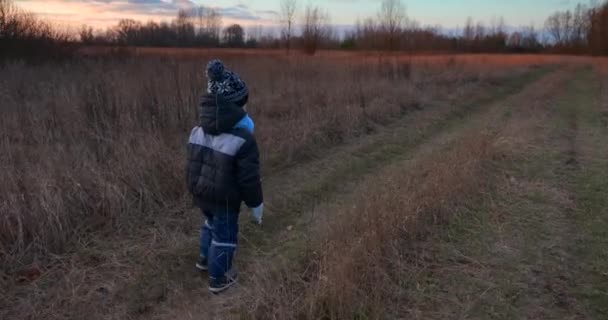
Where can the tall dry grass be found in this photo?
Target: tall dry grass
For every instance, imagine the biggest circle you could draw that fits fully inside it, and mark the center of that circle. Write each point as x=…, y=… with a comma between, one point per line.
x=96, y=146
x=359, y=261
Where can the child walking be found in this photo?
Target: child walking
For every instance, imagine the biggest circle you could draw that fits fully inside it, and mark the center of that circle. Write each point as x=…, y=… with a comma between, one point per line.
x=223, y=171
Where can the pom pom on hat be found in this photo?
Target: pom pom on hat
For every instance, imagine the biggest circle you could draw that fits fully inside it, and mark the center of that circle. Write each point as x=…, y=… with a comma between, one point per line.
x=216, y=70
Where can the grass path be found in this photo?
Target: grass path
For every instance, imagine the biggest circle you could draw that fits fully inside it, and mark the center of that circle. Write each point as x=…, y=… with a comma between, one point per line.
x=536, y=247
x=330, y=181
x=590, y=188
x=163, y=282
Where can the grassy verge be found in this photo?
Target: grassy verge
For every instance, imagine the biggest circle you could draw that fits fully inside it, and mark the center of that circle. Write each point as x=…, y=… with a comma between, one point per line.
x=590, y=187
x=534, y=247
x=592, y=238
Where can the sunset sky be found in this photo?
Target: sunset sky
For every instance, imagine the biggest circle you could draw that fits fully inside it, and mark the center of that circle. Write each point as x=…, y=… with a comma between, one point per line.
x=448, y=13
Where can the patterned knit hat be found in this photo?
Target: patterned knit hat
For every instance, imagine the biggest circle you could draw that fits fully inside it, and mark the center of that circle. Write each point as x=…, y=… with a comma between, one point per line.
x=226, y=83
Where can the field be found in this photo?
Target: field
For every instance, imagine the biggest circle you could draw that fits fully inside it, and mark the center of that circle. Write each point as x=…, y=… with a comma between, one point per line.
x=396, y=186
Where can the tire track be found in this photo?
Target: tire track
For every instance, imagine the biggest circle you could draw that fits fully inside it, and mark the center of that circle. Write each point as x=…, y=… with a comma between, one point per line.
x=371, y=165
x=521, y=237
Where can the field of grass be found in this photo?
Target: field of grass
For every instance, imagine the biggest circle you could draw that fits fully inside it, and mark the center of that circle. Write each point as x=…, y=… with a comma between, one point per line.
x=466, y=186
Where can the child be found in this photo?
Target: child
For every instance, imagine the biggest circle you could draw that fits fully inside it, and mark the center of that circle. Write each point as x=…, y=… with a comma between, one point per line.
x=223, y=171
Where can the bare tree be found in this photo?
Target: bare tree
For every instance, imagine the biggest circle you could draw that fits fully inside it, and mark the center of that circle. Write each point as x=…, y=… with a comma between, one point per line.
x=234, y=36
x=567, y=23
x=530, y=38
x=366, y=34
x=480, y=31
x=288, y=11
x=209, y=23
x=469, y=30
x=7, y=17
x=581, y=24
x=214, y=24
x=255, y=33
x=199, y=14
x=598, y=30
x=562, y=27
x=315, y=28
x=86, y=35
x=497, y=26
x=18, y=24
x=127, y=32
x=23, y=35
x=554, y=27
x=5, y=8
x=185, y=28
x=392, y=18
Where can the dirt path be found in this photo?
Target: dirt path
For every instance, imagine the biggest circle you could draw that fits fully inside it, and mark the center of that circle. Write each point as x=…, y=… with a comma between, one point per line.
x=535, y=248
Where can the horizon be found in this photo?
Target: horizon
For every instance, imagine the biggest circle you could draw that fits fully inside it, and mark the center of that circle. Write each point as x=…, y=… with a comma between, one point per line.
x=450, y=15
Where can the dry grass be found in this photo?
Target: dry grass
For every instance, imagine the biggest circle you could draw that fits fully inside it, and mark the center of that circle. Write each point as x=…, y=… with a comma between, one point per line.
x=93, y=146
x=94, y=149
x=363, y=260
x=601, y=68
x=359, y=261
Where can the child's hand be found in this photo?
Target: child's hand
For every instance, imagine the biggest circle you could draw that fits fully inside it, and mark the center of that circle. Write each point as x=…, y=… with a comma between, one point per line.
x=257, y=213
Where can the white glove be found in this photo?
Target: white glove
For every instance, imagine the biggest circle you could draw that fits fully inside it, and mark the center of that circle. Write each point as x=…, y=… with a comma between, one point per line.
x=257, y=213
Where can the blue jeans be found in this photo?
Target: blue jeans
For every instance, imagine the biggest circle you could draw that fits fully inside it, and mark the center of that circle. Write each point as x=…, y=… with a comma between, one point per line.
x=218, y=240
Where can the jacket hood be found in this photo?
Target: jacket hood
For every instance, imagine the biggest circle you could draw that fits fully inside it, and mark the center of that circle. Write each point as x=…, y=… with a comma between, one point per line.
x=218, y=115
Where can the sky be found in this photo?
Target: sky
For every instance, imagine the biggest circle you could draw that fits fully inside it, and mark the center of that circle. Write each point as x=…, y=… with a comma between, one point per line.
x=450, y=14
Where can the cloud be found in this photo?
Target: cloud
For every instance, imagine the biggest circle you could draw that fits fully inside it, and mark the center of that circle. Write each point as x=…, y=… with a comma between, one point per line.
x=239, y=12
x=107, y=12
x=271, y=13
x=154, y=7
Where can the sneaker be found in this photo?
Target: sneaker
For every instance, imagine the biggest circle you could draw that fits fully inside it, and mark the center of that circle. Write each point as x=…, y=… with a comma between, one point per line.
x=217, y=285
x=201, y=265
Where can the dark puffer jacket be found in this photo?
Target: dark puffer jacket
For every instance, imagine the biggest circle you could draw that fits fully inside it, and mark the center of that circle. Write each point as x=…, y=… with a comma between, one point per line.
x=223, y=161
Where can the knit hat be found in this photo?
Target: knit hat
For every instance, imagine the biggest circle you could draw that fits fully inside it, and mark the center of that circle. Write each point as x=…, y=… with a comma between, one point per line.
x=226, y=83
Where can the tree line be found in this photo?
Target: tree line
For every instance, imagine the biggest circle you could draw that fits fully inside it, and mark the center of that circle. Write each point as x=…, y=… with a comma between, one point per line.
x=197, y=27
x=23, y=35
x=582, y=30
